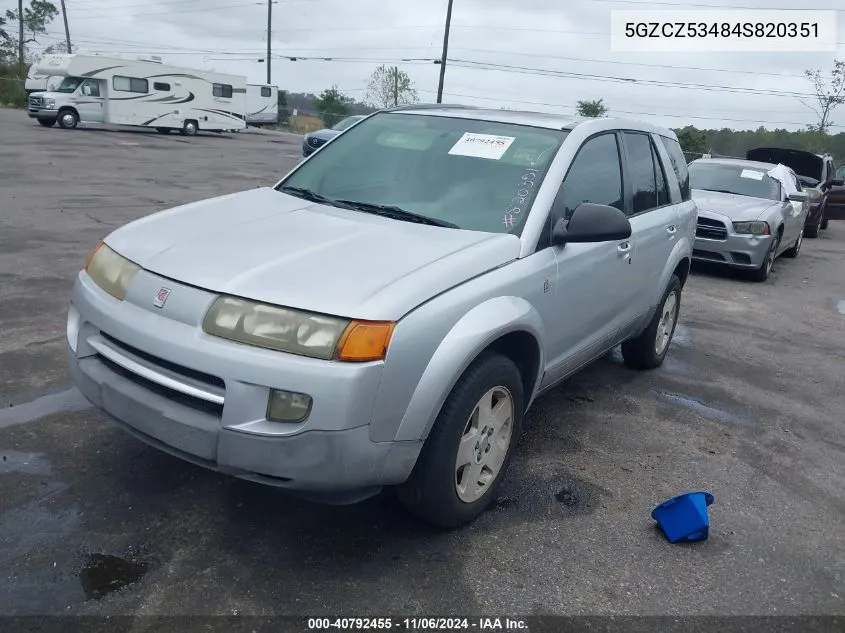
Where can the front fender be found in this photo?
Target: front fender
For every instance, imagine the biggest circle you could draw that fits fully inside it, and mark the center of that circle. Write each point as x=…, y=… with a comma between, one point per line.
x=473, y=333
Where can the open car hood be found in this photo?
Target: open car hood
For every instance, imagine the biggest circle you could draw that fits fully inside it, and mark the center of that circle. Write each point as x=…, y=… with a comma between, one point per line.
x=802, y=163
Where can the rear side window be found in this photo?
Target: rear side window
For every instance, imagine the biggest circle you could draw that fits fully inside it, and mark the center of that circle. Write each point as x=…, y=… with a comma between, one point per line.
x=662, y=186
x=158, y=85
x=641, y=171
x=266, y=92
x=679, y=165
x=130, y=84
x=222, y=90
x=594, y=176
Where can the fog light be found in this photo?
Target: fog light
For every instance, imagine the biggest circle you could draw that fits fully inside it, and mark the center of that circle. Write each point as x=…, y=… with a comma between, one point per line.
x=287, y=406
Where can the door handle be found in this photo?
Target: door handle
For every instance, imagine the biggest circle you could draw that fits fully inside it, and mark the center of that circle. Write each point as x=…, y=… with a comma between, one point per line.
x=624, y=247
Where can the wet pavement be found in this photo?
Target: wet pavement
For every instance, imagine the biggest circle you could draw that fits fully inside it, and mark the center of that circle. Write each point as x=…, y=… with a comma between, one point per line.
x=748, y=406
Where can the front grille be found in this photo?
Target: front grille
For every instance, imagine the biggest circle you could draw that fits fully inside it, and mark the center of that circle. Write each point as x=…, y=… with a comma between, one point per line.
x=716, y=257
x=711, y=229
x=35, y=101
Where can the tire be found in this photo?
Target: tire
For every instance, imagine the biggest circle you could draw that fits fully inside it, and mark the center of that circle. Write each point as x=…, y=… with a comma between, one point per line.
x=68, y=119
x=811, y=230
x=648, y=350
x=823, y=225
x=163, y=130
x=762, y=273
x=793, y=250
x=190, y=128
x=47, y=122
x=442, y=491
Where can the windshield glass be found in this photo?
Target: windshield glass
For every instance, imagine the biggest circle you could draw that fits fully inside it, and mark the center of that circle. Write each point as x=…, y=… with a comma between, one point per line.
x=727, y=178
x=478, y=175
x=840, y=172
x=69, y=84
x=347, y=122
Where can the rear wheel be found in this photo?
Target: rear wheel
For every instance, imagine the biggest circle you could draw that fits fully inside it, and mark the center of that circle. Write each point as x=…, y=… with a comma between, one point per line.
x=648, y=350
x=68, y=119
x=47, y=122
x=190, y=128
x=470, y=446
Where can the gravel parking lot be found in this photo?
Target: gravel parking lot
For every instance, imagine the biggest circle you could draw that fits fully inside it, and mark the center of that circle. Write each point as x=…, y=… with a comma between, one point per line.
x=748, y=406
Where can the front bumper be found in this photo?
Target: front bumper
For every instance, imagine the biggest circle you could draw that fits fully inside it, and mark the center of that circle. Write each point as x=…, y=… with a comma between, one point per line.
x=716, y=241
x=41, y=113
x=204, y=399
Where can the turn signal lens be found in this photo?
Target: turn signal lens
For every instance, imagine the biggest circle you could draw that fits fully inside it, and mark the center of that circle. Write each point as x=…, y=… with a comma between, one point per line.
x=93, y=252
x=365, y=341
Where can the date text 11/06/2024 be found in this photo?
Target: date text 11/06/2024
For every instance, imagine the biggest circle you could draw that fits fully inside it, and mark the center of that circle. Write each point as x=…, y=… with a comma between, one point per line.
x=416, y=624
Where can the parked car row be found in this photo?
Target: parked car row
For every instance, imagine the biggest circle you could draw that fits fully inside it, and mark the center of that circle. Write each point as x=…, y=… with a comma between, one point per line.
x=387, y=313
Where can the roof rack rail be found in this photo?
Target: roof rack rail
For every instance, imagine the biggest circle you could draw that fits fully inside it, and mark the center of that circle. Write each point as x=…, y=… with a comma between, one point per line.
x=430, y=106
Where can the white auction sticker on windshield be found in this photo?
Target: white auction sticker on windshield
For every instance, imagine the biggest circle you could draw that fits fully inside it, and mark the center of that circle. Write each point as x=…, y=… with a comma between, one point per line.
x=750, y=173
x=482, y=145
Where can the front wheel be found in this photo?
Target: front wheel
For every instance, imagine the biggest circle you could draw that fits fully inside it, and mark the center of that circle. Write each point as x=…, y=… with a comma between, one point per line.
x=762, y=274
x=648, y=350
x=823, y=225
x=470, y=446
x=68, y=119
x=793, y=250
x=47, y=122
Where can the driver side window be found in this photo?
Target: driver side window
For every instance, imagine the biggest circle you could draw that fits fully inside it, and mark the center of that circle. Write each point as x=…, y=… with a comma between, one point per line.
x=594, y=176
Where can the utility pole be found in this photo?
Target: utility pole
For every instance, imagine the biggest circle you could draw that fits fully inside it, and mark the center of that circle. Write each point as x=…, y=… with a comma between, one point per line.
x=445, y=52
x=395, y=86
x=20, y=36
x=269, y=36
x=67, y=30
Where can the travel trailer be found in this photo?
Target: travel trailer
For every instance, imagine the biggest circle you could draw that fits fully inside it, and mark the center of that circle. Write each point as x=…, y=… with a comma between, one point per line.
x=36, y=82
x=139, y=92
x=262, y=104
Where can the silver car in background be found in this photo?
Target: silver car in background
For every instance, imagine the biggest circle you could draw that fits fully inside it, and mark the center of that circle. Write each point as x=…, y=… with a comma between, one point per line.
x=746, y=217
x=387, y=313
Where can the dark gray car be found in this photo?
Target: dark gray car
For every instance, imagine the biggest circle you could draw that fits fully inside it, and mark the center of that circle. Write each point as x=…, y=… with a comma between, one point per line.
x=315, y=140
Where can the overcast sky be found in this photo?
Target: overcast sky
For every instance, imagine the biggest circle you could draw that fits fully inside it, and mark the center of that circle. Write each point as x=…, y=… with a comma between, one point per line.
x=558, y=35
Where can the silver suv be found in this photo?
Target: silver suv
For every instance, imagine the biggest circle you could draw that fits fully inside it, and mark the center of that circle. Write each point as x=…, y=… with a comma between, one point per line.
x=388, y=312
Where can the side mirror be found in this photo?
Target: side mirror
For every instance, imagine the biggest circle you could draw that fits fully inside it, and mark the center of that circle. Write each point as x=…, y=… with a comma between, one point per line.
x=799, y=196
x=592, y=223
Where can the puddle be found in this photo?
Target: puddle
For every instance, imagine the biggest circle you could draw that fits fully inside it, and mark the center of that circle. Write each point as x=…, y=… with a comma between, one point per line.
x=840, y=307
x=26, y=463
x=570, y=496
x=704, y=410
x=64, y=401
x=548, y=495
x=104, y=574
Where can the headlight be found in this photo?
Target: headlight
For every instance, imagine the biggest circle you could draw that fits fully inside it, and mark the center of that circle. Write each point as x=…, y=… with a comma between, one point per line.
x=110, y=271
x=297, y=332
x=752, y=228
x=50, y=104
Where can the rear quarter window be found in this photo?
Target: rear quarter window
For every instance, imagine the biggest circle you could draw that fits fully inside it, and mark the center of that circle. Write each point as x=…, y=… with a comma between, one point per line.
x=679, y=165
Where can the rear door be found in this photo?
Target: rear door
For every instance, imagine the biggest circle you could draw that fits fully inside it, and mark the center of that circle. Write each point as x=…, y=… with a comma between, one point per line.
x=835, y=205
x=654, y=218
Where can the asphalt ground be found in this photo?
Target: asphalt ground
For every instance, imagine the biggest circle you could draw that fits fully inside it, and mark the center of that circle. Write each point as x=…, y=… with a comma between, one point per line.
x=748, y=406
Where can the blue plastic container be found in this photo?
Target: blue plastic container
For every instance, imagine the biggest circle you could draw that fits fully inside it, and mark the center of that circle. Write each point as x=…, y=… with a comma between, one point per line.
x=684, y=518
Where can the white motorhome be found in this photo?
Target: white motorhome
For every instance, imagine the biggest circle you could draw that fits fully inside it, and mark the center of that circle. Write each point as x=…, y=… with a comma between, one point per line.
x=36, y=82
x=142, y=92
x=262, y=104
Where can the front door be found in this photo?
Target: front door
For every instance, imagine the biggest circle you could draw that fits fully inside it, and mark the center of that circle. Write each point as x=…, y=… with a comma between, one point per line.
x=835, y=205
x=90, y=102
x=654, y=218
x=595, y=282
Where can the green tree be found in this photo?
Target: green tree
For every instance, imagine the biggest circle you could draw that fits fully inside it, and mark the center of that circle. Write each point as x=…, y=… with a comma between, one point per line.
x=592, y=109
x=36, y=18
x=390, y=87
x=332, y=105
x=692, y=140
x=829, y=94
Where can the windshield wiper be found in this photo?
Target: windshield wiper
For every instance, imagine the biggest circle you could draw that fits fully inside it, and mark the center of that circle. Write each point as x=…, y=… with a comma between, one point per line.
x=733, y=193
x=313, y=196
x=396, y=213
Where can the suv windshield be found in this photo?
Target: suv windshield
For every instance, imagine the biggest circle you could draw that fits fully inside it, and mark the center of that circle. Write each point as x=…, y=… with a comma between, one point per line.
x=69, y=84
x=478, y=175
x=737, y=179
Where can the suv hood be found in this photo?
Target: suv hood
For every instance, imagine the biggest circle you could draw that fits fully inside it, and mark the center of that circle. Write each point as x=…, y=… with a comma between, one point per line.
x=802, y=163
x=737, y=208
x=268, y=246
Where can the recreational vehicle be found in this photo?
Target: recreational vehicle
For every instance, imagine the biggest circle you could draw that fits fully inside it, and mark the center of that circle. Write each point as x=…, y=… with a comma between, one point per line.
x=262, y=104
x=141, y=93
